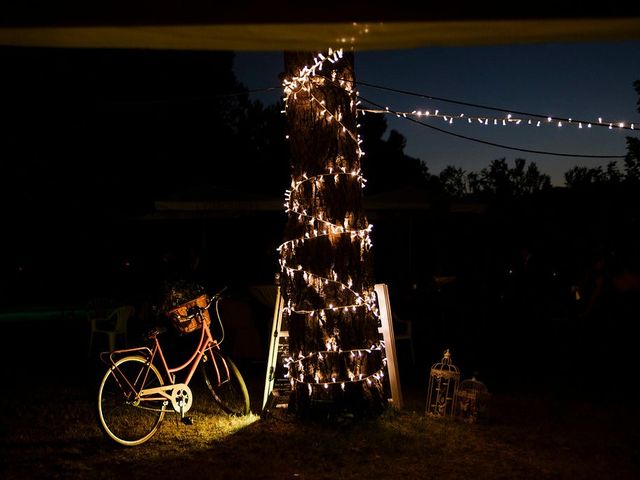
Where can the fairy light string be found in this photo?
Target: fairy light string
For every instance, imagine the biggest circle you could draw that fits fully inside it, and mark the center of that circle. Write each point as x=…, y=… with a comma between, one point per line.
x=534, y=117
x=485, y=142
x=510, y=119
x=513, y=117
x=330, y=367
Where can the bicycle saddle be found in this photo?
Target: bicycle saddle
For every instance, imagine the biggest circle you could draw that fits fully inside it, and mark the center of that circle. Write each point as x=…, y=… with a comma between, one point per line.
x=155, y=331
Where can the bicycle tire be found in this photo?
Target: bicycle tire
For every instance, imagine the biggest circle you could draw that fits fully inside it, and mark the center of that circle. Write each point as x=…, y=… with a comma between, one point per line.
x=120, y=419
x=228, y=391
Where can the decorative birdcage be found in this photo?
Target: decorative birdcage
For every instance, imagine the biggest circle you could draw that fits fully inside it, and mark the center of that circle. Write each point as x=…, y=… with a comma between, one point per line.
x=472, y=400
x=443, y=384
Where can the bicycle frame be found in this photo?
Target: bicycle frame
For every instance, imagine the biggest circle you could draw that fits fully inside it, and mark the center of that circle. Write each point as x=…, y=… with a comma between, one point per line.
x=166, y=392
x=206, y=341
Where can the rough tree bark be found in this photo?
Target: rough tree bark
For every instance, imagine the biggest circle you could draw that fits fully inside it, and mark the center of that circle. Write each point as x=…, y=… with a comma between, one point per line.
x=336, y=359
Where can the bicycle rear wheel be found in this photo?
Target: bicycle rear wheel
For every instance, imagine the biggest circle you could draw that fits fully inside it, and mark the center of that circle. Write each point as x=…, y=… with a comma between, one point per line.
x=124, y=418
x=225, y=383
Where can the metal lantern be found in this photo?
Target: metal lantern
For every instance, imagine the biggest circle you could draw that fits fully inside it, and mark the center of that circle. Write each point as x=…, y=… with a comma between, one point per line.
x=443, y=383
x=472, y=399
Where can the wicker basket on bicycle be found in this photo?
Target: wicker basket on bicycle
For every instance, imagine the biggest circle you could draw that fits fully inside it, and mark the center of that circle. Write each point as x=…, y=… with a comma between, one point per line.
x=178, y=314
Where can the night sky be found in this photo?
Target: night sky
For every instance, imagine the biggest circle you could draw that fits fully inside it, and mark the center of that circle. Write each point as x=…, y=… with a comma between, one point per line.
x=580, y=81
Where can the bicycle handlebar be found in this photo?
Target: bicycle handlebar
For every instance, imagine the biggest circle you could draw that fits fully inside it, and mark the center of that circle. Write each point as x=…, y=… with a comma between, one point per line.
x=215, y=297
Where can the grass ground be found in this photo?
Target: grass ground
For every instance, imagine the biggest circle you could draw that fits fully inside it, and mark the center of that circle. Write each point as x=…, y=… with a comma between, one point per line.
x=51, y=431
x=48, y=429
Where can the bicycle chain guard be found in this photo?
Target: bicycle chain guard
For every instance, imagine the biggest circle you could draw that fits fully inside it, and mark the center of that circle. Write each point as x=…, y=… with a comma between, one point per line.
x=181, y=398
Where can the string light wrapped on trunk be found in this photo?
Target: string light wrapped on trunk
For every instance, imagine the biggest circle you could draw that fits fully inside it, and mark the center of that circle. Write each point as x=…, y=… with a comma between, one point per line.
x=443, y=385
x=330, y=304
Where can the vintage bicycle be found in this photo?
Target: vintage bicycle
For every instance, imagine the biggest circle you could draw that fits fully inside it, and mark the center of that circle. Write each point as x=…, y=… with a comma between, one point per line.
x=134, y=395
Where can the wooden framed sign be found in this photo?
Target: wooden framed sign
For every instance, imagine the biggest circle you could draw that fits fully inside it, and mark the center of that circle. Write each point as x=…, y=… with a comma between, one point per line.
x=385, y=328
x=277, y=388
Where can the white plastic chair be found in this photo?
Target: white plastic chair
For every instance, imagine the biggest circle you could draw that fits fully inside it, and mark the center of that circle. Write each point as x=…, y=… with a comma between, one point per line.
x=113, y=325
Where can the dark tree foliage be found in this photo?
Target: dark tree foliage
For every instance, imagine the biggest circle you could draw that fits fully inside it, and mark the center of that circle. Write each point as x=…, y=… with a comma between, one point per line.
x=497, y=181
x=385, y=164
x=456, y=182
x=583, y=177
x=495, y=178
x=632, y=159
x=518, y=181
x=262, y=147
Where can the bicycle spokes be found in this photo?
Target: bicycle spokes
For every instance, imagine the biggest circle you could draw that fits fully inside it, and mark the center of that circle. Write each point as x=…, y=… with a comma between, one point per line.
x=126, y=416
x=226, y=384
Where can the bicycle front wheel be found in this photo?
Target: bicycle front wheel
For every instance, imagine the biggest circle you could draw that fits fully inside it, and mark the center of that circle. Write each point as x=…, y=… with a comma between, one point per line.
x=225, y=383
x=124, y=416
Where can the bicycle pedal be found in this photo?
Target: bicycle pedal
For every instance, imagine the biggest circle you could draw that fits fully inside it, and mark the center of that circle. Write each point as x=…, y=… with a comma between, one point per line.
x=187, y=420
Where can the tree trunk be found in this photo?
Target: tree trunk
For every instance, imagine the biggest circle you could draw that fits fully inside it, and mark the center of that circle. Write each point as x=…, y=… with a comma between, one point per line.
x=336, y=359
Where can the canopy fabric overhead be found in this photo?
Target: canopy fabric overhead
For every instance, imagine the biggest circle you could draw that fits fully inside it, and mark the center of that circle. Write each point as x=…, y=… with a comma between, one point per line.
x=320, y=36
x=287, y=25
